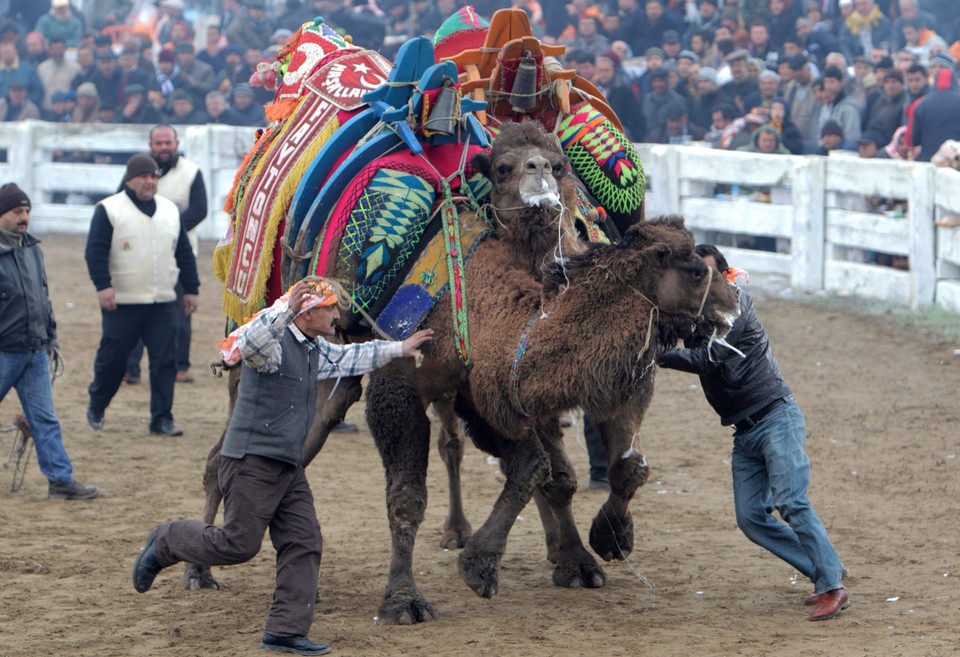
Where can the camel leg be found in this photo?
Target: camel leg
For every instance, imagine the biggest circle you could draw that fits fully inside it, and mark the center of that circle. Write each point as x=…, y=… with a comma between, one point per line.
x=574, y=566
x=398, y=421
x=527, y=467
x=450, y=444
x=551, y=529
x=330, y=412
x=196, y=576
x=611, y=532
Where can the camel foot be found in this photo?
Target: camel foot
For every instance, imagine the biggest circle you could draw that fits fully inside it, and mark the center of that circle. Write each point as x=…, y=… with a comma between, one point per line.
x=455, y=537
x=611, y=537
x=480, y=570
x=579, y=570
x=405, y=607
x=198, y=577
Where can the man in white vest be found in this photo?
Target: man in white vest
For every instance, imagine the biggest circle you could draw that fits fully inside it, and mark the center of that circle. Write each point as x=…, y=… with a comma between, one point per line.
x=136, y=250
x=181, y=181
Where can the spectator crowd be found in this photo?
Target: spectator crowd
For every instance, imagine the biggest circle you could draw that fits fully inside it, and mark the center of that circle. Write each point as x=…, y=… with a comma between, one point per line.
x=770, y=76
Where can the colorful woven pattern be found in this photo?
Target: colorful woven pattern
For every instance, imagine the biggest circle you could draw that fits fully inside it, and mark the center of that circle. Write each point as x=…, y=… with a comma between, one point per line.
x=603, y=158
x=384, y=229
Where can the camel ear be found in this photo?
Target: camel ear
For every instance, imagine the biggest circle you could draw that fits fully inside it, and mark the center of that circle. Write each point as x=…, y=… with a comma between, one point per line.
x=664, y=252
x=635, y=236
x=482, y=162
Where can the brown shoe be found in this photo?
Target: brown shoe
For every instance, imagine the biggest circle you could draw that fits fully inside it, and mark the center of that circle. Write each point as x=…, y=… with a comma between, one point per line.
x=829, y=604
x=184, y=376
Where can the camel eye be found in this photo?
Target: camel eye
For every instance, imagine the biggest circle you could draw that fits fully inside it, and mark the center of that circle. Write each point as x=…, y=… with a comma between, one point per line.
x=503, y=169
x=558, y=169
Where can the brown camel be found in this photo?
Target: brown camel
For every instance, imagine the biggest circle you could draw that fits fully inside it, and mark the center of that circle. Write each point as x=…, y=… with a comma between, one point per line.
x=625, y=297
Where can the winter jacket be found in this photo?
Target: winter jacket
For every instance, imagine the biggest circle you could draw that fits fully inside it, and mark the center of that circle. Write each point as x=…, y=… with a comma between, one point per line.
x=937, y=117
x=735, y=386
x=885, y=115
x=27, y=323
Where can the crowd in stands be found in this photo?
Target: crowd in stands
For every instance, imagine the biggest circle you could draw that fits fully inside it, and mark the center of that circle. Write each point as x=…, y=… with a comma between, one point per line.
x=771, y=76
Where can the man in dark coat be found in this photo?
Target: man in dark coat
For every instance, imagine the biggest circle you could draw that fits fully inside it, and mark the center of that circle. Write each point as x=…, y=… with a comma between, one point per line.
x=28, y=332
x=885, y=114
x=746, y=388
x=937, y=117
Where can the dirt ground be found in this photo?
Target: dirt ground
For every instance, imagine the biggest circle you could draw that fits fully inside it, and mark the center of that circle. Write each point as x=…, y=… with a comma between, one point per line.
x=882, y=414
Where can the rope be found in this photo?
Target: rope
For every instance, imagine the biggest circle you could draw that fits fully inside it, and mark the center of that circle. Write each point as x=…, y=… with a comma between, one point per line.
x=706, y=291
x=515, y=367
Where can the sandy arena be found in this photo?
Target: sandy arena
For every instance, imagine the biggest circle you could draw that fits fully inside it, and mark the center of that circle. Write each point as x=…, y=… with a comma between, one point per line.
x=882, y=412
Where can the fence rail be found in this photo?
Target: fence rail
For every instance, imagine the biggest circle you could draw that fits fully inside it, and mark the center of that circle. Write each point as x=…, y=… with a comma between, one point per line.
x=835, y=224
x=813, y=221
x=65, y=167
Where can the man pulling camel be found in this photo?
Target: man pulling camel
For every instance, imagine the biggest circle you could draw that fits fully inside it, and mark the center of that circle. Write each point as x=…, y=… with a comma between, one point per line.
x=261, y=476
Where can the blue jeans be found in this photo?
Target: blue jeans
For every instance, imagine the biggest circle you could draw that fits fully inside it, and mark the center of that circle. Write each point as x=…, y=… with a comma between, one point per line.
x=30, y=375
x=771, y=471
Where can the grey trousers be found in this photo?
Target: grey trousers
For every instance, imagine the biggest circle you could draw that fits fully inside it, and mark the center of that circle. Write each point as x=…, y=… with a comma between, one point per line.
x=259, y=493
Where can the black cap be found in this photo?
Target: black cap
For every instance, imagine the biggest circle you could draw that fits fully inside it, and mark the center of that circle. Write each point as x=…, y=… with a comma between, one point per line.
x=12, y=197
x=139, y=164
x=831, y=128
x=675, y=110
x=671, y=36
x=797, y=62
x=184, y=47
x=871, y=137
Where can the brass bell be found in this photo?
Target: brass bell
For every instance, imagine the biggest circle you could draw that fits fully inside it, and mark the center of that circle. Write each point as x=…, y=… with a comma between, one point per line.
x=443, y=114
x=523, y=96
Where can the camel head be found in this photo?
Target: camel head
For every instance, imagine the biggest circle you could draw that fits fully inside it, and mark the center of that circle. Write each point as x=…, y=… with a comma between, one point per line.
x=533, y=192
x=656, y=260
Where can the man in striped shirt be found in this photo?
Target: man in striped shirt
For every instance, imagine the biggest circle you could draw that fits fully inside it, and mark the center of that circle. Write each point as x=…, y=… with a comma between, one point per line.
x=284, y=355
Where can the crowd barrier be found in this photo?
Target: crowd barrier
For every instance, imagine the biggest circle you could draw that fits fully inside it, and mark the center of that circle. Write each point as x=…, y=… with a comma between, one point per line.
x=52, y=163
x=816, y=211
x=828, y=217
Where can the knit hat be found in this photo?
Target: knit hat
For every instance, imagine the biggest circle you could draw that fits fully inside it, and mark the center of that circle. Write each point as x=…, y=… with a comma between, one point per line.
x=88, y=90
x=707, y=73
x=139, y=164
x=831, y=128
x=941, y=58
x=655, y=52
x=12, y=197
x=242, y=89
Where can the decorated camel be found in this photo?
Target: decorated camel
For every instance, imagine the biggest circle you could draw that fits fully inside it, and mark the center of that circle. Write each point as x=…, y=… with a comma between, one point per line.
x=529, y=242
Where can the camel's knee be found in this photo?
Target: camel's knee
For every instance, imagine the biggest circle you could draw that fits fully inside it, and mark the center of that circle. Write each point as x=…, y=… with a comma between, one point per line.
x=526, y=467
x=628, y=473
x=406, y=506
x=559, y=488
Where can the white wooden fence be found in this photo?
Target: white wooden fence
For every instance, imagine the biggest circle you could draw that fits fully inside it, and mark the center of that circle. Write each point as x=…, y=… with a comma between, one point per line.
x=36, y=160
x=818, y=212
x=817, y=208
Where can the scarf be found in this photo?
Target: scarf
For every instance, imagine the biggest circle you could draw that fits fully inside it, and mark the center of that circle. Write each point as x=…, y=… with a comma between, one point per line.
x=13, y=239
x=323, y=295
x=858, y=23
x=166, y=81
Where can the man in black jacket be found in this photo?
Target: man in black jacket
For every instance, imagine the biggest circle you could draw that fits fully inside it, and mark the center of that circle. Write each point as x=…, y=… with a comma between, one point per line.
x=745, y=386
x=28, y=331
